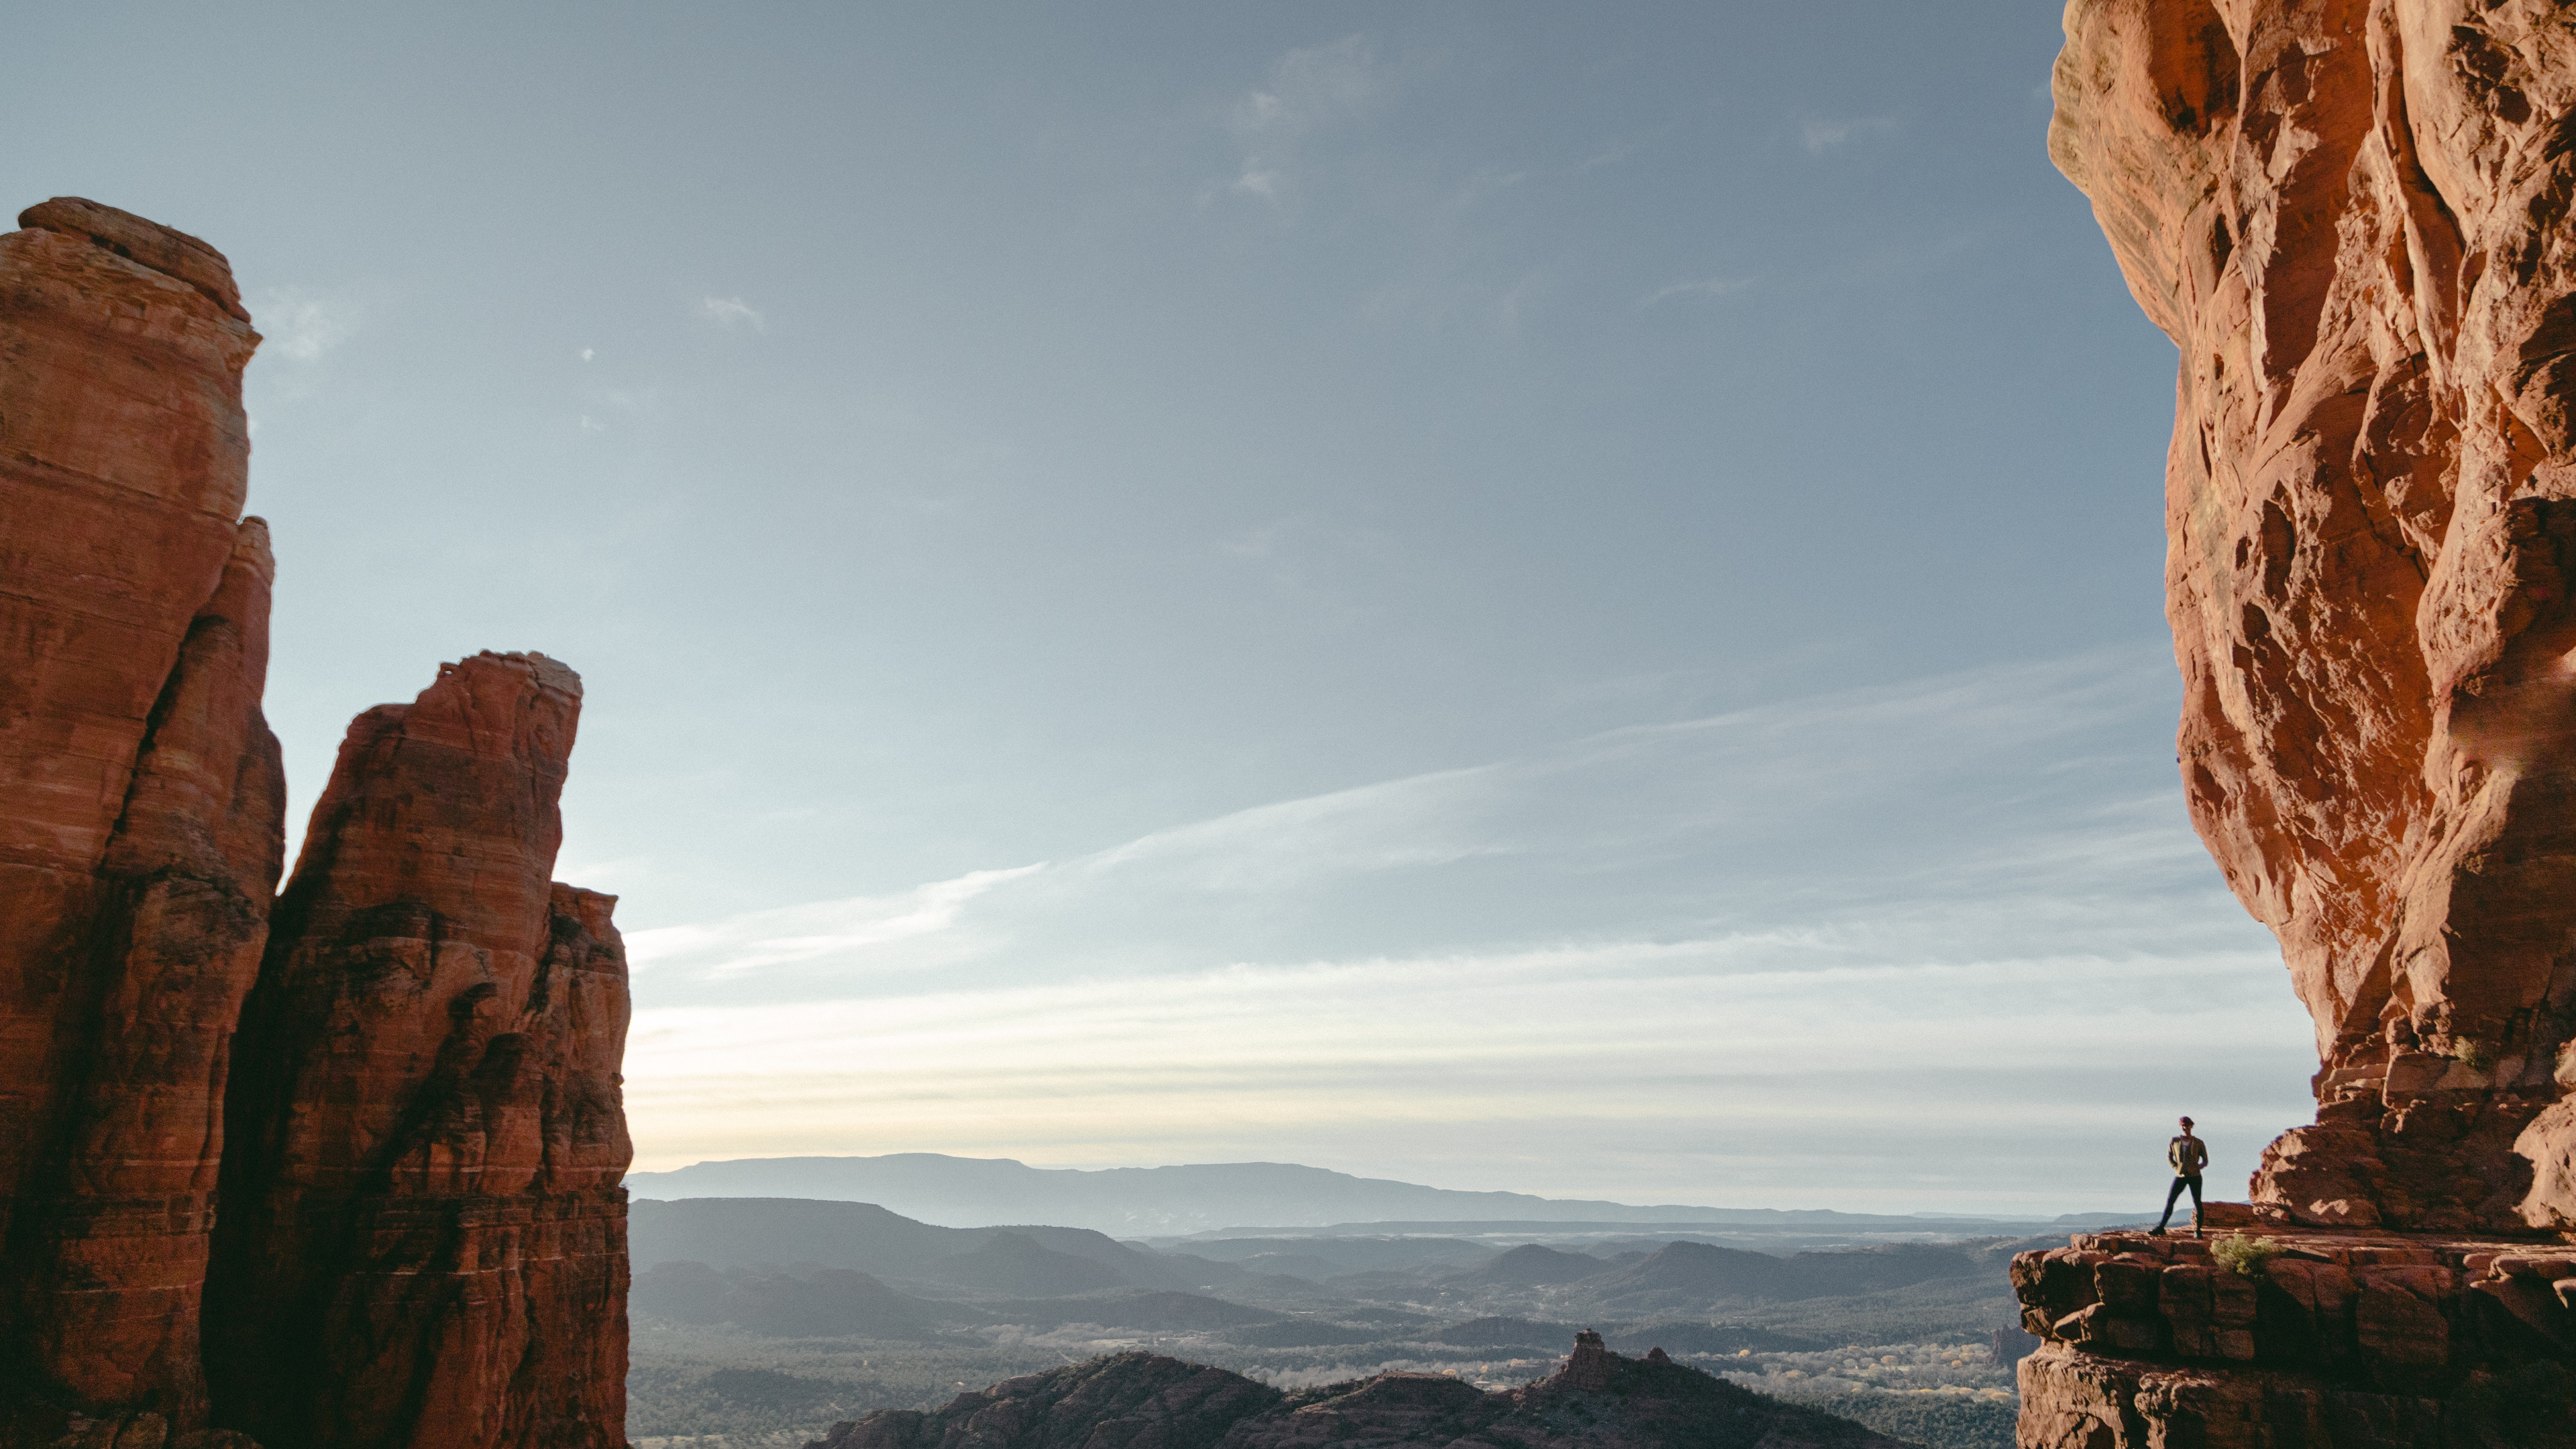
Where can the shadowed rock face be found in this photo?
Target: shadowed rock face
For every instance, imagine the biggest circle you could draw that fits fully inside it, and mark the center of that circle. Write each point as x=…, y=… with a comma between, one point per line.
x=421, y=1235
x=2351, y=216
x=424, y=1232
x=140, y=797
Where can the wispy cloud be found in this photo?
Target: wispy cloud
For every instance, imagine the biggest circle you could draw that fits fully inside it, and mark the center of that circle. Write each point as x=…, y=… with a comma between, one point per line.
x=1703, y=290
x=732, y=312
x=802, y=933
x=1309, y=93
x=301, y=324
x=1315, y=87
x=1825, y=135
x=1748, y=938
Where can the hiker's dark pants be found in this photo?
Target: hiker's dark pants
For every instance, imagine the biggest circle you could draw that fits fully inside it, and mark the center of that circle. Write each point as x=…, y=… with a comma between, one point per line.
x=2175, y=1191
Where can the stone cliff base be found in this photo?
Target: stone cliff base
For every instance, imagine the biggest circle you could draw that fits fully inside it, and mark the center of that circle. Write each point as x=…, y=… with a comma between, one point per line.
x=2077, y=1400
x=2315, y=1339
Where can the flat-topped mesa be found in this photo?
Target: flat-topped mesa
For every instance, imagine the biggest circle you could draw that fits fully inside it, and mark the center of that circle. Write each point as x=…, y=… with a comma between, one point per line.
x=424, y=1231
x=141, y=801
x=2352, y=216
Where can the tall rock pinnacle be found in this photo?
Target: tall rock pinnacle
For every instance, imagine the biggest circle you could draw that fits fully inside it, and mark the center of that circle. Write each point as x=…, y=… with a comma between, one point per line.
x=353, y=1182
x=141, y=803
x=424, y=1233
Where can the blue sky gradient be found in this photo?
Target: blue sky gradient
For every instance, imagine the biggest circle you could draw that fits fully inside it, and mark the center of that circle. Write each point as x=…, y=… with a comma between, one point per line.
x=1503, y=595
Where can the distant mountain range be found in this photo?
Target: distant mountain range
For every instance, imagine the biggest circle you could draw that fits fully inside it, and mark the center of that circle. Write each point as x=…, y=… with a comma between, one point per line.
x=799, y=1267
x=974, y=1192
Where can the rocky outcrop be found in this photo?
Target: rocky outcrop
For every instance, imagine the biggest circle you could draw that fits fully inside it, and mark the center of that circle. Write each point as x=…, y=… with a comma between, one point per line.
x=1128, y=1399
x=424, y=1233
x=2352, y=216
x=2357, y=1338
x=1145, y=1401
x=371, y=1157
x=141, y=803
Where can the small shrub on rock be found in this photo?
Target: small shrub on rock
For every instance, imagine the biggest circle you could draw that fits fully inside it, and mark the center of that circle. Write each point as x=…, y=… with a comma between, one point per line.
x=2245, y=1254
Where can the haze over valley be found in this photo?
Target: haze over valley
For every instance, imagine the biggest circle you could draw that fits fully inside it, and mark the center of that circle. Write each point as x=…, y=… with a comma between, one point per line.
x=756, y=1314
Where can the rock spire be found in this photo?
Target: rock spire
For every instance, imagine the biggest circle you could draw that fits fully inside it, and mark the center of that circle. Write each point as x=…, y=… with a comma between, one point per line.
x=388, y=1132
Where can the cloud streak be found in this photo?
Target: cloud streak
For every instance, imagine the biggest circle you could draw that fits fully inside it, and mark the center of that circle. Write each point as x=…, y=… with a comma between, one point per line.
x=732, y=312
x=1704, y=290
x=303, y=325
x=1759, y=938
x=1820, y=136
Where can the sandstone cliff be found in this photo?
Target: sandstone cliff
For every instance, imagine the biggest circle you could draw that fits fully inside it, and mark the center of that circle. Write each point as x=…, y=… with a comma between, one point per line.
x=423, y=1239
x=2352, y=218
x=401, y=1177
x=1598, y=1400
x=141, y=804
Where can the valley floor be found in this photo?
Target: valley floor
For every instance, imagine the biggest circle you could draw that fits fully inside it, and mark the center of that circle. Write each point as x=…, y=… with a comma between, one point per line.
x=720, y=1388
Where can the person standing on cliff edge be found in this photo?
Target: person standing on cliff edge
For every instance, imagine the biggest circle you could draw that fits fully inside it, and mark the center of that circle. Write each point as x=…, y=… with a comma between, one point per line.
x=2189, y=1155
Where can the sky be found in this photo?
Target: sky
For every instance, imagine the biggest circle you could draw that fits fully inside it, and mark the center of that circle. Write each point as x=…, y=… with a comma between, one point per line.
x=1562, y=599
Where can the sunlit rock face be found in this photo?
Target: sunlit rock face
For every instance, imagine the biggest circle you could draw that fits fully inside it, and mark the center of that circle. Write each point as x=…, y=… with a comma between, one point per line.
x=2359, y=1338
x=2351, y=216
x=353, y=1181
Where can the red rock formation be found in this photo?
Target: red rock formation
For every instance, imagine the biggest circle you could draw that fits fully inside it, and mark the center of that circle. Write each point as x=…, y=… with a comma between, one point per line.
x=2356, y=1338
x=422, y=1240
x=2352, y=216
x=1588, y=1367
x=424, y=1232
x=140, y=800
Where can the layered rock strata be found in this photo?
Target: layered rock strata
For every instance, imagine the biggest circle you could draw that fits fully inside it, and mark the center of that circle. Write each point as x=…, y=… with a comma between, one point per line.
x=141, y=803
x=1597, y=1400
x=2352, y=217
x=401, y=1179
x=2354, y=1338
x=423, y=1239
